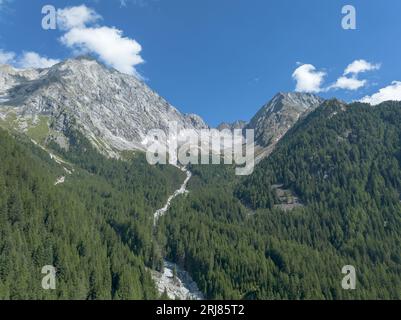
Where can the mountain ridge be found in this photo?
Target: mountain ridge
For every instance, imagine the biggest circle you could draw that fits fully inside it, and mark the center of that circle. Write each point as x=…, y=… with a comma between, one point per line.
x=274, y=119
x=114, y=110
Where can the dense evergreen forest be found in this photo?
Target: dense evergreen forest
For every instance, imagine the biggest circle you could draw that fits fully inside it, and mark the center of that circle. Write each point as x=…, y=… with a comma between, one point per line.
x=96, y=228
x=343, y=163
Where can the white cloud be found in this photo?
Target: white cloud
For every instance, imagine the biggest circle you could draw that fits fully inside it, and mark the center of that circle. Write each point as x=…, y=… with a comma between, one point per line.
x=108, y=43
x=389, y=93
x=31, y=59
x=5, y=56
x=308, y=79
x=359, y=66
x=83, y=35
x=121, y=53
x=350, y=81
x=346, y=83
x=76, y=17
x=26, y=60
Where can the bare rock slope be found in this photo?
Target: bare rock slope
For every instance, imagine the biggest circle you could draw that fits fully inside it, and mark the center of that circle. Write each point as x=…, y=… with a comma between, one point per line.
x=114, y=111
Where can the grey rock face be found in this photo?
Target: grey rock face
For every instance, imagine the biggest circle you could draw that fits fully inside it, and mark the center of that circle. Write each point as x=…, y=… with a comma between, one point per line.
x=114, y=111
x=239, y=124
x=275, y=118
x=10, y=77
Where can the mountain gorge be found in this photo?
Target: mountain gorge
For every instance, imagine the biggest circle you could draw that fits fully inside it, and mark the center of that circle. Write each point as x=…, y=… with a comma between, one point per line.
x=72, y=197
x=343, y=162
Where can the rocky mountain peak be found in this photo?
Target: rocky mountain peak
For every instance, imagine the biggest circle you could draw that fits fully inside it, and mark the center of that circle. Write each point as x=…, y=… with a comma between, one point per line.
x=276, y=117
x=114, y=111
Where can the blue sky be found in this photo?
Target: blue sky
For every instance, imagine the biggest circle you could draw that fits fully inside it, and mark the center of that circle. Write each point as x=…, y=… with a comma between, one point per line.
x=223, y=59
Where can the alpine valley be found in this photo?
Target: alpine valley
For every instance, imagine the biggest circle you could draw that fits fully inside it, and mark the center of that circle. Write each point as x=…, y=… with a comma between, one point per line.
x=77, y=193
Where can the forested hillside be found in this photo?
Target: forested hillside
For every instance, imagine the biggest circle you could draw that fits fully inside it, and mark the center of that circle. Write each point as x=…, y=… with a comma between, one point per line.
x=237, y=237
x=343, y=163
x=96, y=228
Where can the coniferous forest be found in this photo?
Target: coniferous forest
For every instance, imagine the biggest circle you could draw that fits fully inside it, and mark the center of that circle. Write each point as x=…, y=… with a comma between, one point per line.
x=344, y=165
x=94, y=228
x=235, y=236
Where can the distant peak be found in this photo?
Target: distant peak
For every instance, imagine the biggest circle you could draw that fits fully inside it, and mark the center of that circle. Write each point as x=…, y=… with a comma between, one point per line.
x=80, y=65
x=296, y=98
x=239, y=124
x=296, y=95
x=81, y=60
x=85, y=57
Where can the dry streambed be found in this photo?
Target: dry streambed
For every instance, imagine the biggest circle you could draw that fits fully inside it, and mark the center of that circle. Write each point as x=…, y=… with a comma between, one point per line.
x=174, y=281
